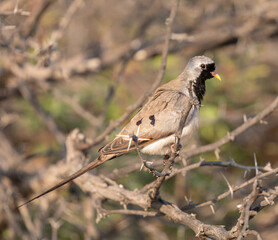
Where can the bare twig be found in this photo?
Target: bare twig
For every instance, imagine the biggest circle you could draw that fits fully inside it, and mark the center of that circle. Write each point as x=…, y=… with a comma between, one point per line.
x=269, y=196
x=202, y=231
x=105, y=212
x=230, y=163
x=243, y=220
x=227, y=193
x=58, y=33
x=20, y=12
x=59, y=72
x=30, y=26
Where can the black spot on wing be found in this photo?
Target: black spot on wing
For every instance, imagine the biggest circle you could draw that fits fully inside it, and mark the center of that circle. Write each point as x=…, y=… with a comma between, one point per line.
x=152, y=120
x=139, y=122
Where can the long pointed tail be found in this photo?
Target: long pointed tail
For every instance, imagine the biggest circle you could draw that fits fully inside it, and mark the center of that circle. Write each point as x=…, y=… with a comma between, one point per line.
x=83, y=170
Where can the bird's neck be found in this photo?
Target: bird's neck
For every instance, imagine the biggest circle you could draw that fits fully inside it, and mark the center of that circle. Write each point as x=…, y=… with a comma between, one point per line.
x=197, y=85
x=199, y=88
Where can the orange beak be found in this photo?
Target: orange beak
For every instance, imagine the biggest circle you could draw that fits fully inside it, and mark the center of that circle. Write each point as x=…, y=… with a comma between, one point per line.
x=216, y=75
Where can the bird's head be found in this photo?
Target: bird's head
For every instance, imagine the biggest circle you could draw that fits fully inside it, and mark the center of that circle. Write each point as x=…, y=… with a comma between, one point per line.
x=197, y=71
x=201, y=67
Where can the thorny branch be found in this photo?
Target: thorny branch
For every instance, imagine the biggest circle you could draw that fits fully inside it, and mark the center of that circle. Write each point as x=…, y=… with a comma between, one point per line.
x=232, y=135
x=119, y=173
x=240, y=229
x=108, y=189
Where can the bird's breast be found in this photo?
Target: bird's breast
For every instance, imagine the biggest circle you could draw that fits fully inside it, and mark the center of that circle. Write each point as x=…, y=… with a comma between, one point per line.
x=162, y=146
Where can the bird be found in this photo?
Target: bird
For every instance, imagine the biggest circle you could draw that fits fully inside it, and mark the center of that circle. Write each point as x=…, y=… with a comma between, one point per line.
x=156, y=123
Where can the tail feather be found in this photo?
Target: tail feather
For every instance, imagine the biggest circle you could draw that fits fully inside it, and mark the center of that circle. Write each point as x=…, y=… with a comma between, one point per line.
x=80, y=172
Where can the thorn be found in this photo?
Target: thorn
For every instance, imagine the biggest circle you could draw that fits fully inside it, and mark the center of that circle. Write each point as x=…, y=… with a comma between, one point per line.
x=268, y=167
x=263, y=122
x=216, y=152
x=266, y=199
x=245, y=173
x=184, y=162
x=193, y=215
x=172, y=147
x=212, y=209
x=232, y=138
x=229, y=185
x=124, y=205
x=200, y=230
x=256, y=164
x=245, y=118
x=232, y=161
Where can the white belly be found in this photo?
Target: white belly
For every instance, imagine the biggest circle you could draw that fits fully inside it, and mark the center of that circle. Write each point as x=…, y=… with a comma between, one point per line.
x=162, y=146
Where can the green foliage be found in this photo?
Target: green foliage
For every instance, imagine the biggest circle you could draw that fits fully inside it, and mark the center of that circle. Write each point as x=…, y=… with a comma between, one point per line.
x=174, y=66
x=92, y=95
x=68, y=232
x=118, y=105
x=29, y=119
x=63, y=115
x=138, y=179
x=211, y=129
x=207, y=179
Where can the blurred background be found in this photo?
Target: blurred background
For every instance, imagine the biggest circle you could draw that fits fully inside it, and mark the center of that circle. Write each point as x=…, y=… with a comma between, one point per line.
x=99, y=57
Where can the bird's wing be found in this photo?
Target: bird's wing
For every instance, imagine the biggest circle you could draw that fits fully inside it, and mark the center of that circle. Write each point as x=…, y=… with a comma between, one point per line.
x=159, y=118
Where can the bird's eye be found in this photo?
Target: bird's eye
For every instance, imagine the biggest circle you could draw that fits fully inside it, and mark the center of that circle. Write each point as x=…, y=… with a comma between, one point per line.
x=203, y=66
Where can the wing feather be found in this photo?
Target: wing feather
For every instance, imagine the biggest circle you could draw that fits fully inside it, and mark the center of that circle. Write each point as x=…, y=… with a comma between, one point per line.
x=159, y=118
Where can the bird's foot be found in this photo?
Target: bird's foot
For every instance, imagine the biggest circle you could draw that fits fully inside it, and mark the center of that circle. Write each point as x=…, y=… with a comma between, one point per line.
x=144, y=163
x=152, y=169
x=175, y=150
